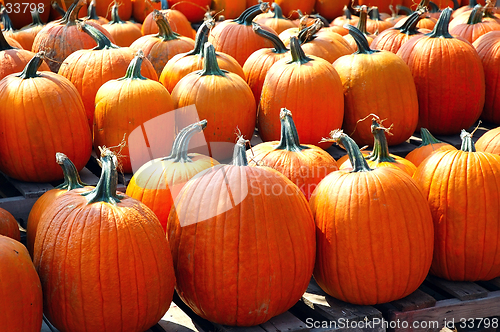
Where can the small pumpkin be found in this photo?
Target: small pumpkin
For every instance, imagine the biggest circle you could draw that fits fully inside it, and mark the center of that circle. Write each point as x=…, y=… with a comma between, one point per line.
x=375, y=24
x=428, y=146
x=92, y=14
x=347, y=18
x=489, y=142
x=124, y=10
x=124, y=33
x=277, y=22
x=178, y=22
x=361, y=26
x=9, y=226
x=26, y=36
x=475, y=26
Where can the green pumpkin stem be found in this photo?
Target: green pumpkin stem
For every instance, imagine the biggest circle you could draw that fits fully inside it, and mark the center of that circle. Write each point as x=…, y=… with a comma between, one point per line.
x=102, y=41
x=356, y=158
x=7, y=23
x=180, y=146
x=441, y=28
x=91, y=11
x=165, y=32
x=278, y=13
x=309, y=33
x=476, y=15
x=239, y=152
x=380, y=151
x=57, y=8
x=115, y=17
x=347, y=13
x=134, y=68
x=433, y=8
x=472, y=3
x=409, y=27
x=250, y=13
x=467, y=143
x=105, y=190
x=361, y=41
x=71, y=16
x=202, y=37
x=404, y=9
x=423, y=4
x=210, y=65
x=427, y=138
x=164, y=4
x=375, y=14
x=4, y=45
x=71, y=176
x=321, y=18
x=456, y=5
x=36, y=20
x=289, y=137
x=363, y=16
x=298, y=55
x=279, y=47
x=30, y=71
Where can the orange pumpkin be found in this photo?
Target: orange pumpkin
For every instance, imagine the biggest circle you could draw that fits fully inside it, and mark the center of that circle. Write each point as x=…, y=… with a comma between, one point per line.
x=44, y=100
x=158, y=182
x=347, y=18
x=330, y=9
x=383, y=5
x=21, y=287
x=142, y=8
x=178, y=22
x=361, y=25
x=123, y=33
x=353, y=209
x=462, y=188
x=9, y=226
x=291, y=7
x=257, y=287
x=125, y=9
x=489, y=142
x=429, y=145
x=475, y=26
x=230, y=8
x=26, y=36
x=276, y=22
x=92, y=14
x=194, y=10
x=109, y=245
x=287, y=81
x=375, y=24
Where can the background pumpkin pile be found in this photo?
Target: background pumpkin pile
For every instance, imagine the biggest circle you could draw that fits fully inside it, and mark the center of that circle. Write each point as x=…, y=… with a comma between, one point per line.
x=78, y=75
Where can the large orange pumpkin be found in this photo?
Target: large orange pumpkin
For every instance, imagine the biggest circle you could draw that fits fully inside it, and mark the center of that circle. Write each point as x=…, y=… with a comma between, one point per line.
x=32, y=101
x=20, y=289
x=71, y=181
x=448, y=99
x=266, y=258
x=428, y=146
x=286, y=84
x=463, y=191
x=118, y=271
x=353, y=210
x=9, y=226
x=158, y=182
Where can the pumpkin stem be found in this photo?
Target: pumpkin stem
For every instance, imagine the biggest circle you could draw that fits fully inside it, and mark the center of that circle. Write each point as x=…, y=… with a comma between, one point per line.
x=72, y=12
x=57, y=8
x=180, y=146
x=375, y=14
x=165, y=32
x=409, y=27
x=358, y=162
x=347, y=13
x=363, y=16
x=308, y=33
x=433, y=8
x=36, y=20
x=4, y=45
x=164, y=4
x=404, y=9
x=380, y=151
x=279, y=47
x=289, y=137
x=361, y=41
x=105, y=191
x=239, y=152
x=456, y=5
x=298, y=55
x=91, y=11
x=472, y=3
x=30, y=71
x=321, y=18
x=71, y=176
x=423, y=4
x=202, y=37
x=427, y=138
x=7, y=23
x=102, y=41
x=467, y=143
x=210, y=65
x=259, y=9
x=441, y=28
x=115, y=18
x=476, y=15
x=278, y=13
x=134, y=68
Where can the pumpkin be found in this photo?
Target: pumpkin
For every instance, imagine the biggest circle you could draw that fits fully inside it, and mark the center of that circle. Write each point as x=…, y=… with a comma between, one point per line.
x=158, y=182
x=330, y=9
x=257, y=65
x=287, y=81
x=34, y=99
x=489, y=142
x=21, y=15
x=142, y=8
x=462, y=188
x=86, y=229
x=428, y=146
x=13, y=60
x=231, y=8
x=223, y=98
x=347, y=18
x=382, y=5
x=20, y=287
x=380, y=156
x=375, y=24
x=182, y=64
x=178, y=22
x=365, y=76
x=124, y=11
x=464, y=9
x=291, y=7
x=124, y=33
x=26, y=36
x=194, y=10
x=277, y=22
x=392, y=39
x=257, y=287
x=237, y=38
x=304, y=165
x=92, y=14
x=475, y=26
x=355, y=209
x=71, y=181
x=448, y=99
x=9, y=226
x=160, y=48
x=8, y=29
x=88, y=70
x=361, y=26
x=63, y=37
x=426, y=21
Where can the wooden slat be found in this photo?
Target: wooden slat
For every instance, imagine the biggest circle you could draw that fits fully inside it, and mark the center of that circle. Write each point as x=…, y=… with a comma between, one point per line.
x=459, y=289
x=88, y=177
x=402, y=149
x=284, y=322
x=452, y=309
x=31, y=189
x=19, y=207
x=176, y=320
x=414, y=301
x=495, y=282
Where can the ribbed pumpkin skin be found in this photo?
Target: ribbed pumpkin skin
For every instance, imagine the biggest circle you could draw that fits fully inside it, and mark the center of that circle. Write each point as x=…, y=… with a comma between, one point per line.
x=471, y=32
x=488, y=48
x=14, y=61
x=418, y=155
x=390, y=40
x=367, y=81
x=118, y=262
x=374, y=235
x=9, y=226
x=50, y=102
x=260, y=248
x=124, y=34
x=20, y=289
x=401, y=163
x=489, y=142
x=463, y=193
